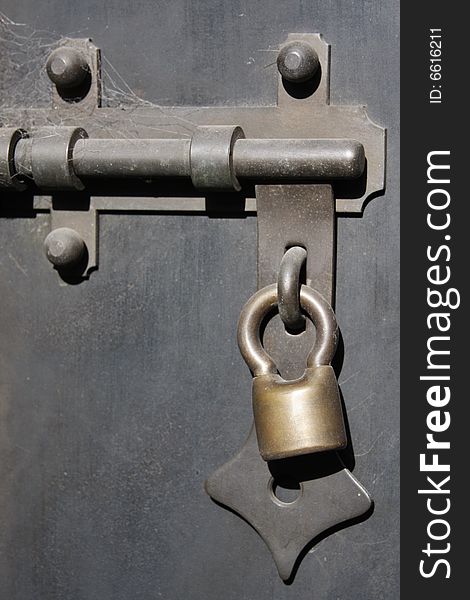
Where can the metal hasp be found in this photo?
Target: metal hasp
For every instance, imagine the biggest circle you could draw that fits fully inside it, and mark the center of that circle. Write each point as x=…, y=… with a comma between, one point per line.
x=117, y=160
x=296, y=223
x=328, y=495
x=293, y=216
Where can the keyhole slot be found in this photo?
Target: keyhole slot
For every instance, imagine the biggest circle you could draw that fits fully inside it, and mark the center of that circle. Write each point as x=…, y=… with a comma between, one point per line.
x=285, y=493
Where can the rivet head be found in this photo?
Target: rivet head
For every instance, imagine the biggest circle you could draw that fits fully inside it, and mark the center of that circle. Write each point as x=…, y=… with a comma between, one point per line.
x=64, y=247
x=67, y=67
x=297, y=62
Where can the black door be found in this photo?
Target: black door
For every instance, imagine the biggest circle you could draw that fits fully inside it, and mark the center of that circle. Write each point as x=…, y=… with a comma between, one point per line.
x=122, y=393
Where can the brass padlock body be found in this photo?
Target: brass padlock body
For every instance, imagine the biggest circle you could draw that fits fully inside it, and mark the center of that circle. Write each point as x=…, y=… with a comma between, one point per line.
x=300, y=416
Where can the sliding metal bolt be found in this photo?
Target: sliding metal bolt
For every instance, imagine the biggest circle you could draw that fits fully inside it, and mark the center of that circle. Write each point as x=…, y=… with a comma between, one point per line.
x=297, y=62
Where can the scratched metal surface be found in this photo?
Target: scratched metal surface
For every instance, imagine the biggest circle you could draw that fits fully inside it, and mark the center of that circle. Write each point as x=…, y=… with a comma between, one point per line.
x=118, y=396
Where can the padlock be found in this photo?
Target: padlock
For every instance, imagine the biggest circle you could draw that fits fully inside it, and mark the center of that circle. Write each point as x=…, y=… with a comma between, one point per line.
x=299, y=416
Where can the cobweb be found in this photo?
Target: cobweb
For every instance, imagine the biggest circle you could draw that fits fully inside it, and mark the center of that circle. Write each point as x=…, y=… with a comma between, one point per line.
x=23, y=54
x=23, y=79
x=24, y=84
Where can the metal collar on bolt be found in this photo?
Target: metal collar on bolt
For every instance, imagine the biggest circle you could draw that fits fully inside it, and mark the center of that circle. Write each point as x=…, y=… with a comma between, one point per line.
x=9, y=176
x=52, y=158
x=211, y=157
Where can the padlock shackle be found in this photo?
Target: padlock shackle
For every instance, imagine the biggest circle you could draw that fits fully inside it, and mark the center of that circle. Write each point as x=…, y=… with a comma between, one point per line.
x=261, y=303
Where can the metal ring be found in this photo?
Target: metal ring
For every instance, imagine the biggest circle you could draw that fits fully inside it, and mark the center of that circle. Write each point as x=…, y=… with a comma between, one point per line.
x=288, y=288
x=259, y=305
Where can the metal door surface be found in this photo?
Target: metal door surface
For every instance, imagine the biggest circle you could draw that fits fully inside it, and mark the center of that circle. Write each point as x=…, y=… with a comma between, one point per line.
x=121, y=394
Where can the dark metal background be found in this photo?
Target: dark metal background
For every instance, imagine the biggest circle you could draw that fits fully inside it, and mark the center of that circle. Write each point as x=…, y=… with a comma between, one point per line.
x=120, y=395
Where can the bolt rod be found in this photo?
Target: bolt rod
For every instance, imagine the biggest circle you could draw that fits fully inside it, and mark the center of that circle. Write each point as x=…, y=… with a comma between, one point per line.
x=254, y=159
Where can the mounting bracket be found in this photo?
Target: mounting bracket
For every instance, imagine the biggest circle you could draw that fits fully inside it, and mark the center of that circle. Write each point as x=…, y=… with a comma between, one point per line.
x=69, y=159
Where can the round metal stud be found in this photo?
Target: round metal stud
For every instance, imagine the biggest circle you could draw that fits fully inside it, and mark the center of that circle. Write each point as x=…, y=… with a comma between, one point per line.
x=67, y=67
x=64, y=247
x=297, y=62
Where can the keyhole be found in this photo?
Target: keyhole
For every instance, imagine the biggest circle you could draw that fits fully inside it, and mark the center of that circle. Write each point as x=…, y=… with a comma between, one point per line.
x=285, y=493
